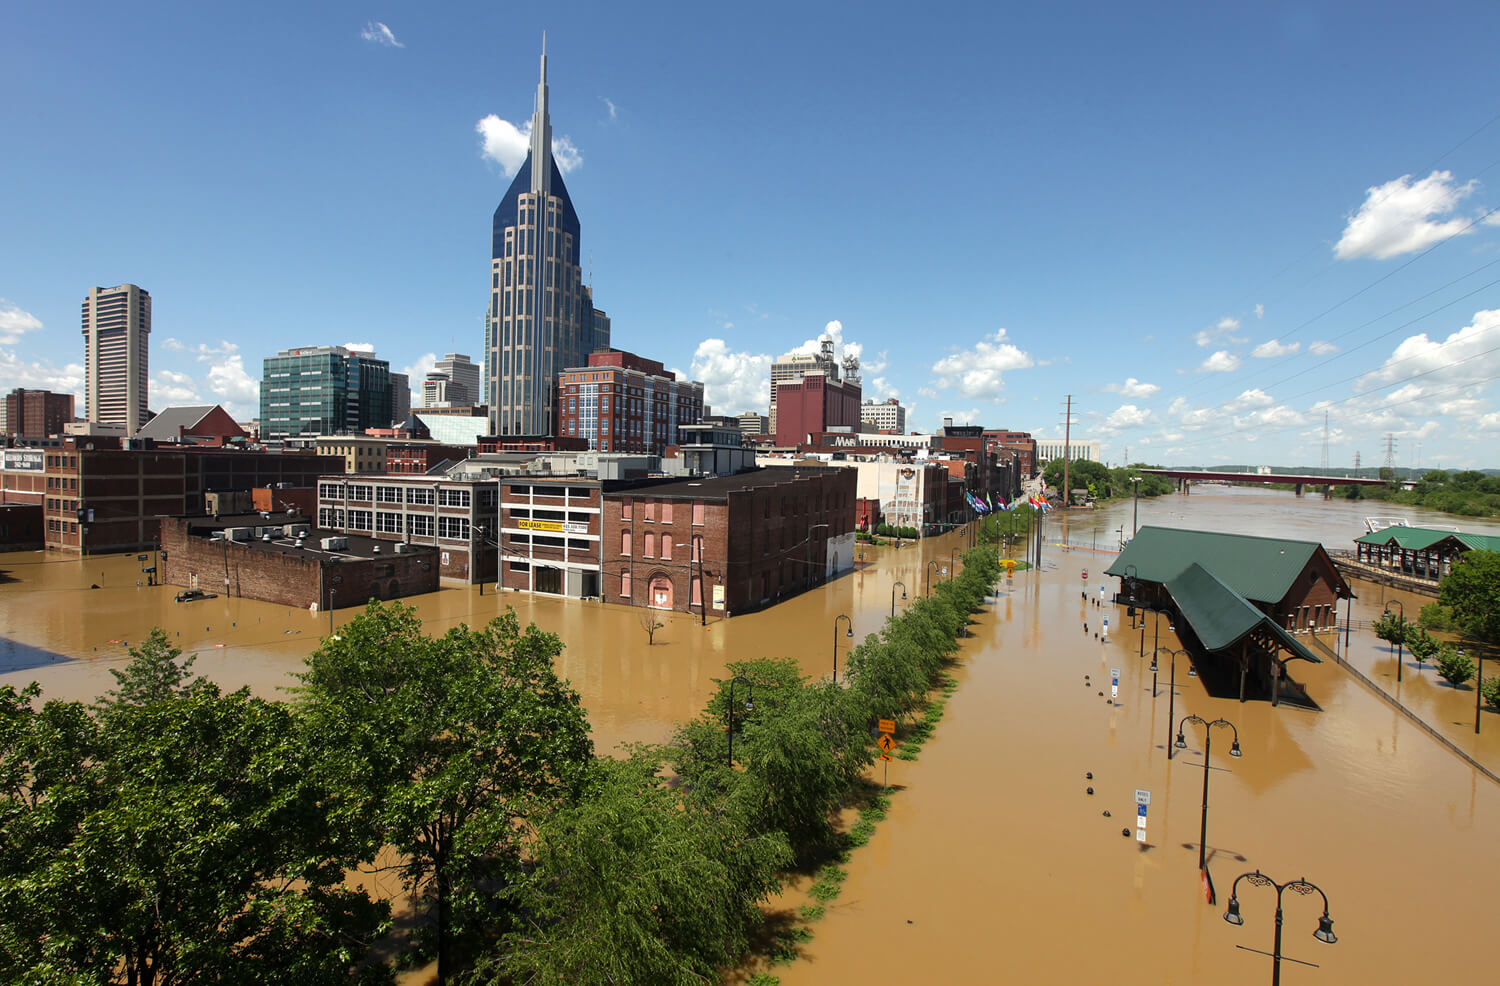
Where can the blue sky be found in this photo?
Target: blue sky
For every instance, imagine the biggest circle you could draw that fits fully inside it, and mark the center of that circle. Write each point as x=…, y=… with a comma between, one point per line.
x=1208, y=225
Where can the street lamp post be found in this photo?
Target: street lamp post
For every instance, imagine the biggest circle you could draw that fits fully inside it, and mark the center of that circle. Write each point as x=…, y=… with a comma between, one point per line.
x=952, y=565
x=1234, y=751
x=1135, y=511
x=893, y=595
x=1171, y=689
x=1400, y=658
x=333, y=581
x=1324, y=933
x=929, y=576
x=1130, y=584
x=749, y=707
x=849, y=633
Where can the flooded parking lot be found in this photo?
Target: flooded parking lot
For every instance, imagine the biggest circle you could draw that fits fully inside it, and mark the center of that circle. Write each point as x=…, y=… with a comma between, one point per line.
x=995, y=864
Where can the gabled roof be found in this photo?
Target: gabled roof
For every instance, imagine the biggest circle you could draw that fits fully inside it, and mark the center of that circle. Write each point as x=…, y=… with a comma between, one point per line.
x=1261, y=569
x=1221, y=617
x=1420, y=538
x=165, y=426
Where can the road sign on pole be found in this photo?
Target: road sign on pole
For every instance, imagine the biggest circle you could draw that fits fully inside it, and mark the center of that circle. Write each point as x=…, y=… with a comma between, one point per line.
x=887, y=725
x=1114, y=684
x=1142, y=803
x=885, y=743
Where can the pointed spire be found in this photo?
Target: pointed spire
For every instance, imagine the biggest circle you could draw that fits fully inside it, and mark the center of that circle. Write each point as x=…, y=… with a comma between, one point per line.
x=541, y=133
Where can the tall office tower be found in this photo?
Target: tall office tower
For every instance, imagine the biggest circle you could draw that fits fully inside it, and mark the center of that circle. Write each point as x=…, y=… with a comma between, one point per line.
x=887, y=415
x=542, y=316
x=792, y=367
x=400, y=397
x=116, y=322
x=36, y=413
x=453, y=380
x=323, y=390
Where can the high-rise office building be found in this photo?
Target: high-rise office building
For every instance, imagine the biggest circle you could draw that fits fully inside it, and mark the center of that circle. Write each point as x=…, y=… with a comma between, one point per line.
x=36, y=413
x=454, y=380
x=400, y=397
x=542, y=318
x=323, y=390
x=887, y=415
x=116, y=323
x=622, y=402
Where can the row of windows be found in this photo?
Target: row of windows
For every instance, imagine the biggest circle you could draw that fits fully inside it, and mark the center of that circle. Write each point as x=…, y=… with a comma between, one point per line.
x=649, y=546
x=62, y=461
x=62, y=527
x=57, y=504
x=415, y=495
x=417, y=525
x=654, y=510
x=693, y=580
x=62, y=483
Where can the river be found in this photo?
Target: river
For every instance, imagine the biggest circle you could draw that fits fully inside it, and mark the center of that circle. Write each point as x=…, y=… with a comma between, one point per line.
x=994, y=864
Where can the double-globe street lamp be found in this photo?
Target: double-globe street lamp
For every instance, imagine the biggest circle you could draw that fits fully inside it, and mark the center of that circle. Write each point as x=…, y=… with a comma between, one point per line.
x=1234, y=751
x=893, y=596
x=1324, y=933
x=749, y=707
x=929, y=577
x=1400, y=639
x=849, y=633
x=1130, y=581
x=1171, y=688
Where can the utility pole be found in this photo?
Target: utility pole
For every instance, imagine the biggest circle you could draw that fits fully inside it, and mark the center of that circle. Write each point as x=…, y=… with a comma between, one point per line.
x=1325, y=443
x=1067, y=453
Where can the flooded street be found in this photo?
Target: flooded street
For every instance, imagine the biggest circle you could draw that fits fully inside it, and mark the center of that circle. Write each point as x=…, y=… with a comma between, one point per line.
x=994, y=864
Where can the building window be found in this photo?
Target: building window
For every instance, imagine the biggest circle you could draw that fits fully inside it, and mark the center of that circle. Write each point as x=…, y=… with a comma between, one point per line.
x=650, y=551
x=453, y=498
x=418, y=496
x=651, y=510
x=360, y=493
x=453, y=528
x=419, y=525
x=359, y=520
x=387, y=494
x=624, y=542
x=666, y=511
x=697, y=591
x=625, y=582
x=666, y=547
x=387, y=522
x=698, y=548
x=698, y=514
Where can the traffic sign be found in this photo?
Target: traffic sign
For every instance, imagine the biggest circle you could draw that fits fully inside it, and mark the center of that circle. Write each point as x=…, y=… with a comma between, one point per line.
x=1142, y=796
x=886, y=743
x=1114, y=682
x=887, y=725
x=885, y=756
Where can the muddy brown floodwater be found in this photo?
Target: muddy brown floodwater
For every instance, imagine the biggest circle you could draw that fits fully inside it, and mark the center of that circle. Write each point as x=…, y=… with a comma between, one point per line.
x=994, y=865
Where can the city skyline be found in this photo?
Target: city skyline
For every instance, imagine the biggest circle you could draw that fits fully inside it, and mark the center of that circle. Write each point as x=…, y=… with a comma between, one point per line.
x=1209, y=227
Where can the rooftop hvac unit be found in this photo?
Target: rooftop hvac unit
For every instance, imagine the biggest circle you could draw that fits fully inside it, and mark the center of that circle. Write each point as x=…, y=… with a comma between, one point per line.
x=239, y=533
x=299, y=542
x=294, y=530
x=401, y=548
x=334, y=543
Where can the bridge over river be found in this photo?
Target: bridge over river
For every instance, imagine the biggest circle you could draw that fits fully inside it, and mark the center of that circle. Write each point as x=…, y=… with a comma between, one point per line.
x=1185, y=477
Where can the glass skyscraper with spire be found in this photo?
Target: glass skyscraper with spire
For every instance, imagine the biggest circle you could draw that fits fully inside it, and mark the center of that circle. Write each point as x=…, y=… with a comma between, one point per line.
x=541, y=317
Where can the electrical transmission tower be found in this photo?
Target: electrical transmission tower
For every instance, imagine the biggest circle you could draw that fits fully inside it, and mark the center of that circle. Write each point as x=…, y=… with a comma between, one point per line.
x=1390, y=450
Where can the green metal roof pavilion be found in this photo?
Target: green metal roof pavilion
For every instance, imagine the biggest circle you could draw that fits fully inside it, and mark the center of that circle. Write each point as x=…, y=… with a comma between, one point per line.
x=1261, y=569
x=1221, y=617
x=1421, y=538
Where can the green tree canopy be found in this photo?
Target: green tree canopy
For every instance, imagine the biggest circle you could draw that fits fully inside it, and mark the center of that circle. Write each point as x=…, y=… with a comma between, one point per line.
x=1472, y=592
x=439, y=746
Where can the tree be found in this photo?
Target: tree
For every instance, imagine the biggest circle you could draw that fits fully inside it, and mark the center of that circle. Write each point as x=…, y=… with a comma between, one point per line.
x=1472, y=592
x=1390, y=628
x=650, y=624
x=1456, y=668
x=440, y=746
x=179, y=840
x=154, y=674
x=1490, y=689
x=1421, y=644
x=639, y=885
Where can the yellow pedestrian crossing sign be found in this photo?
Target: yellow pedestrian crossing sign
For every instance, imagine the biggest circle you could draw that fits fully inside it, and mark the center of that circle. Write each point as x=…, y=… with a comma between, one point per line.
x=886, y=743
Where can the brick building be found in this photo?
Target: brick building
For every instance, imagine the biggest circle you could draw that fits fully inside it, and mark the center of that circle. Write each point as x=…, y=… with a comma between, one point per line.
x=1019, y=442
x=417, y=458
x=816, y=402
x=101, y=497
x=283, y=560
x=37, y=413
x=23, y=475
x=550, y=534
x=21, y=527
x=621, y=402
x=456, y=516
x=753, y=538
x=203, y=424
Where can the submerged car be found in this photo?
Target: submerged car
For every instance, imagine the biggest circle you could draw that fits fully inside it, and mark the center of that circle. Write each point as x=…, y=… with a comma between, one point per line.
x=191, y=595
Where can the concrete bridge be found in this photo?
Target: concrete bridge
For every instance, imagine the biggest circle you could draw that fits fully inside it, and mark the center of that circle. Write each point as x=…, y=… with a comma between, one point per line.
x=1186, y=477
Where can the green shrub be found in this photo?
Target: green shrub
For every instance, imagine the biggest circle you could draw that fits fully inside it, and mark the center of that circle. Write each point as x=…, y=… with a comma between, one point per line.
x=812, y=912
x=1456, y=668
x=1421, y=644
x=1490, y=689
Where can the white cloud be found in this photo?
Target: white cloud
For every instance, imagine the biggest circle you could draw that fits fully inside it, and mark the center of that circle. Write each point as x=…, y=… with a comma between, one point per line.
x=236, y=389
x=14, y=322
x=1126, y=416
x=507, y=145
x=980, y=372
x=927, y=392
x=360, y=347
x=879, y=389
x=169, y=387
x=1260, y=311
x=377, y=33
x=1273, y=347
x=1463, y=359
x=1321, y=348
x=1223, y=329
x=960, y=417
x=733, y=382
x=1132, y=388
x=1222, y=361
x=416, y=375
x=876, y=365
x=1253, y=398
x=1398, y=217
x=204, y=352
x=172, y=344
x=39, y=375
x=614, y=111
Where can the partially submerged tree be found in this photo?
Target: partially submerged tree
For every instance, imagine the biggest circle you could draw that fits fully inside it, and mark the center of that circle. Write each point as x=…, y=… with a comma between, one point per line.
x=649, y=623
x=441, y=746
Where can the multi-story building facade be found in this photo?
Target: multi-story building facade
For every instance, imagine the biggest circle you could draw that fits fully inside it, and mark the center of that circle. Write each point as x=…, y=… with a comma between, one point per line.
x=1019, y=442
x=454, y=380
x=754, y=424
x=400, y=397
x=791, y=367
x=37, y=413
x=541, y=316
x=887, y=415
x=323, y=390
x=1048, y=449
x=116, y=346
x=101, y=497
x=550, y=534
x=621, y=402
x=816, y=403
x=727, y=544
x=455, y=515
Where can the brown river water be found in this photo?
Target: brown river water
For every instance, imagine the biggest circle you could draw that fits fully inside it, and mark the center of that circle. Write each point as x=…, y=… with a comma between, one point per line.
x=994, y=864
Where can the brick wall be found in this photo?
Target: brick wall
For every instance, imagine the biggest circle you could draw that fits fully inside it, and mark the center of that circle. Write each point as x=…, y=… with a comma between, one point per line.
x=289, y=579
